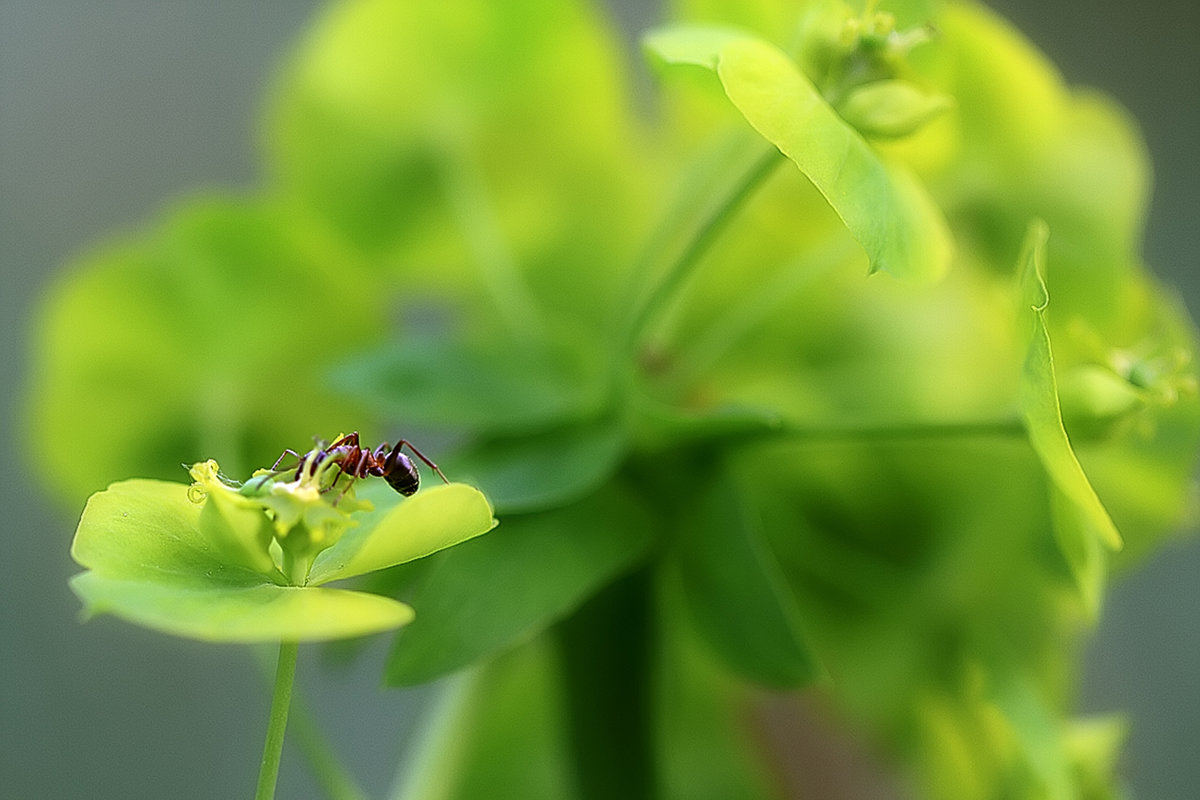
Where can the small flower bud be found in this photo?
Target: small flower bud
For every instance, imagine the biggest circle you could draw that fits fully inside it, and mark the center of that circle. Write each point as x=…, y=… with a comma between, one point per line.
x=1095, y=401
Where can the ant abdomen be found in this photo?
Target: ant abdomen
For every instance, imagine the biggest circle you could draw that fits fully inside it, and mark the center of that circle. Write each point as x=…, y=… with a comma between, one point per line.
x=404, y=479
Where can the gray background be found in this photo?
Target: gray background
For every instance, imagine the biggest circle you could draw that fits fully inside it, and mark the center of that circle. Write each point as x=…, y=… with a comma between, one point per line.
x=110, y=110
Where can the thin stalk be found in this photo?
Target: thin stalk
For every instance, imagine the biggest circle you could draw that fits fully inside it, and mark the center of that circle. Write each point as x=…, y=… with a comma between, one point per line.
x=889, y=431
x=744, y=315
x=281, y=700
x=330, y=773
x=700, y=243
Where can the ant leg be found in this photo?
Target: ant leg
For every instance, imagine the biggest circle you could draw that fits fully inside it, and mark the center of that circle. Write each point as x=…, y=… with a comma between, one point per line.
x=282, y=456
x=420, y=455
x=345, y=488
x=349, y=440
x=354, y=474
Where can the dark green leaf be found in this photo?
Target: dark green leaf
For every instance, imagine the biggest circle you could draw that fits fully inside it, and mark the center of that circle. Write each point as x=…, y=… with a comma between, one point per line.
x=498, y=386
x=737, y=592
x=543, y=470
x=490, y=592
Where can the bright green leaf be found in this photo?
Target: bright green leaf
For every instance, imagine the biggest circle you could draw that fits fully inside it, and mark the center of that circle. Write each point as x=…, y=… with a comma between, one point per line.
x=221, y=613
x=144, y=530
x=1079, y=514
x=239, y=530
x=698, y=45
x=1039, y=399
x=885, y=208
x=493, y=591
x=432, y=519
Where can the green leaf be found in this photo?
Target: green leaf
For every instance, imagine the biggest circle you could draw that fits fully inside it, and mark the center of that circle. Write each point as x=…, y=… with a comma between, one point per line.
x=1079, y=514
x=451, y=152
x=663, y=426
x=707, y=751
x=429, y=521
x=262, y=613
x=144, y=530
x=698, y=45
x=737, y=592
x=469, y=748
x=496, y=386
x=493, y=591
x=205, y=336
x=884, y=207
x=543, y=470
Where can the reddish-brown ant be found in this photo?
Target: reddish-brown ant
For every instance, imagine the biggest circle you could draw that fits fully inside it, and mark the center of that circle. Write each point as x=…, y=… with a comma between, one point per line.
x=352, y=459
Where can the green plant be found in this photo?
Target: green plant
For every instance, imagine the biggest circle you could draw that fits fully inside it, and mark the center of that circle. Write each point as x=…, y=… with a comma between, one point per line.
x=727, y=459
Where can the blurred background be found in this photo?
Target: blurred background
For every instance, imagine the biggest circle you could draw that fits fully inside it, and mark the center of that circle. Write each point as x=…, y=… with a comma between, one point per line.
x=109, y=111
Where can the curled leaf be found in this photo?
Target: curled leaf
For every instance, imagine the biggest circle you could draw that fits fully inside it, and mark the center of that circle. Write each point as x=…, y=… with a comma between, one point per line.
x=1080, y=519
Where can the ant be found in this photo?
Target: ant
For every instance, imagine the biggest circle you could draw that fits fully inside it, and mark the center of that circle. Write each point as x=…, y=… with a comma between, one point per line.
x=352, y=459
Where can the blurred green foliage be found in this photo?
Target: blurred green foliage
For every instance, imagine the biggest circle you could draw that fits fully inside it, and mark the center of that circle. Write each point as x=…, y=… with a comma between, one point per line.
x=719, y=447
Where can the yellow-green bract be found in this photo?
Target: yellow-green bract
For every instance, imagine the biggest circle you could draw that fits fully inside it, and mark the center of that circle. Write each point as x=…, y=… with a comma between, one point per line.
x=149, y=562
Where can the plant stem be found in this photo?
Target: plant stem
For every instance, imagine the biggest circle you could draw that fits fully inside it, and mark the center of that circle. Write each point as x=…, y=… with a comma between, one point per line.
x=606, y=656
x=330, y=773
x=701, y=241
x=281, y=700
x=885, y=431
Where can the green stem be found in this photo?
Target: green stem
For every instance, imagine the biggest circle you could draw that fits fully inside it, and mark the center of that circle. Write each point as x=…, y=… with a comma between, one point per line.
x=281, y=700
x=702, y=240
x=606, y=656
x=885, y=431
x=331, y=774
x=664, y=427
